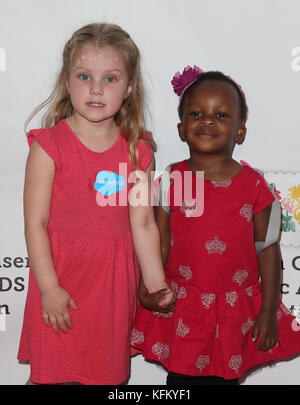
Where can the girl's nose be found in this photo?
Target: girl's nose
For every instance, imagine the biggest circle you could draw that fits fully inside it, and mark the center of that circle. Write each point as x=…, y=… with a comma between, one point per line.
x=96, y=89
x=208, y=120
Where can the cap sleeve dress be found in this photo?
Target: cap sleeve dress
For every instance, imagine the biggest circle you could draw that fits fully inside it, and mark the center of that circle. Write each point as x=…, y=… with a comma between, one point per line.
x=213, y=266
x=95, y=262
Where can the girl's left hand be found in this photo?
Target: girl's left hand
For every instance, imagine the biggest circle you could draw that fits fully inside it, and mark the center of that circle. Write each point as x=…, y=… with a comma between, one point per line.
x=265, y=327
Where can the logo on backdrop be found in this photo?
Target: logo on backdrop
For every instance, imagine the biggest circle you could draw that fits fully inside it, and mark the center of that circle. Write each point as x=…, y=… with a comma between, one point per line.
x=288, y=192
x=2, y=60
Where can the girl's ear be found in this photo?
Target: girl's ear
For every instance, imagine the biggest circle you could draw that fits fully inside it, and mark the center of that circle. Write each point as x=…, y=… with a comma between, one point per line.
x=241, y=135
x=128, y=90
x=180, y=131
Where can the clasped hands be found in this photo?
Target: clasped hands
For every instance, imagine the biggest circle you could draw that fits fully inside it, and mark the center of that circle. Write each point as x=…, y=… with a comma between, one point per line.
x=161, y=303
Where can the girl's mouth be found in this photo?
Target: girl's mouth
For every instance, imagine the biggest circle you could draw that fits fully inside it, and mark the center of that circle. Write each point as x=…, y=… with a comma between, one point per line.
x=206, y=135
x=95, y=105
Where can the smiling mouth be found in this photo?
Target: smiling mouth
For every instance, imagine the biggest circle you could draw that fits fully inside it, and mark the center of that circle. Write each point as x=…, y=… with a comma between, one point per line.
x=206, y=135
x=97, y=105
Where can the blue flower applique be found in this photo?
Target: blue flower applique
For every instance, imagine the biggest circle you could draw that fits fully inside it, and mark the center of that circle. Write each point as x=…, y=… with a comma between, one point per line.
x=109, y=183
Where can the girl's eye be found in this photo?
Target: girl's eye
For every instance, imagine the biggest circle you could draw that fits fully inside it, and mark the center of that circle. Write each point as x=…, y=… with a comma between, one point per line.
x=84, y=76
x=196, y=114
x=110, y=79
x=222, y=115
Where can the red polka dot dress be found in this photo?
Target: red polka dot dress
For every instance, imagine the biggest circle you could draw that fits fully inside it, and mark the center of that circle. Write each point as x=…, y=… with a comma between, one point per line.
x=94, y=258
x=213, y=266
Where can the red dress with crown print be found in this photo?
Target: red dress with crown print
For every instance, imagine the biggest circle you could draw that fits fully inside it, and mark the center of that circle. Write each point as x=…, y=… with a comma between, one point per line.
x=213, y=266
x=95, y=262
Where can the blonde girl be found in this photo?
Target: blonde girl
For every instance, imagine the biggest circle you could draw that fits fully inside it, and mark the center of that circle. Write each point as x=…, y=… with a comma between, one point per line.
x=84, y=243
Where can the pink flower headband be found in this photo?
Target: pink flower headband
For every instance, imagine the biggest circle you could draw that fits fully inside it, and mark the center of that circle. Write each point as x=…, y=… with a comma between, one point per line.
x=182, y=81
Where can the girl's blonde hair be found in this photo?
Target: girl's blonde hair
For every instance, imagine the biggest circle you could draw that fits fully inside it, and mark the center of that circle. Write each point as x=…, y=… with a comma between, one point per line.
x=131, y=116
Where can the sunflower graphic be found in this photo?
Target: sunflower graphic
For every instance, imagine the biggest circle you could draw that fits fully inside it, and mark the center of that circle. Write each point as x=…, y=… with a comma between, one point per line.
x=295, y=193
x=295, y=197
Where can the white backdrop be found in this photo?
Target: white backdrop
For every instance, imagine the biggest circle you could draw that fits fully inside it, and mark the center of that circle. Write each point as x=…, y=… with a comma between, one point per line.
x=257, y=43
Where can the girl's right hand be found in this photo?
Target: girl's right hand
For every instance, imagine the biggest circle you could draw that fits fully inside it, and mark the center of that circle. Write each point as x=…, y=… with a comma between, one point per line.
x=161, y=303
x=55, y=309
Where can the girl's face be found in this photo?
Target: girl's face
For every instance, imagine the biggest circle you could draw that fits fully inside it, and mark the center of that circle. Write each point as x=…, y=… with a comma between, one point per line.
x=98, y=83
x=211, y=119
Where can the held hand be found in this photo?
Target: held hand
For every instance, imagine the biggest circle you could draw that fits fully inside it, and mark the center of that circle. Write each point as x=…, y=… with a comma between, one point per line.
x=166, y=304
x=159, y=302
x=265, y=327
x=55, y=309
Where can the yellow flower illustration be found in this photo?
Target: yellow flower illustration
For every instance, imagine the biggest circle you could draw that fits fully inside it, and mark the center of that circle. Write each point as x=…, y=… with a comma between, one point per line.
x=295, y=193
x=295, y=197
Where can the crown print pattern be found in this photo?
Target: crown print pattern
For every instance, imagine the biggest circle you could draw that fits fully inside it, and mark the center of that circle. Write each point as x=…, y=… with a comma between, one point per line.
x=188, y=207
x=246, y=212
x=235, y=362
x=136, y=336
x=186, y=272
x=207, y=299
x=215, y=246
x=202, y=362
x=249, y=291
x=161, y=350
x=181, y=291
x=221, y=183
x=245, y=328
x=182, y=329
x=231, y=297
x=240, y=276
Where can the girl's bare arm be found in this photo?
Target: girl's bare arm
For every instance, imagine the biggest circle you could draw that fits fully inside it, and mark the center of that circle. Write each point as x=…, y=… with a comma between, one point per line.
x=270, y=271
x=145, y=233
x=40, y=171
x=162, y=219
